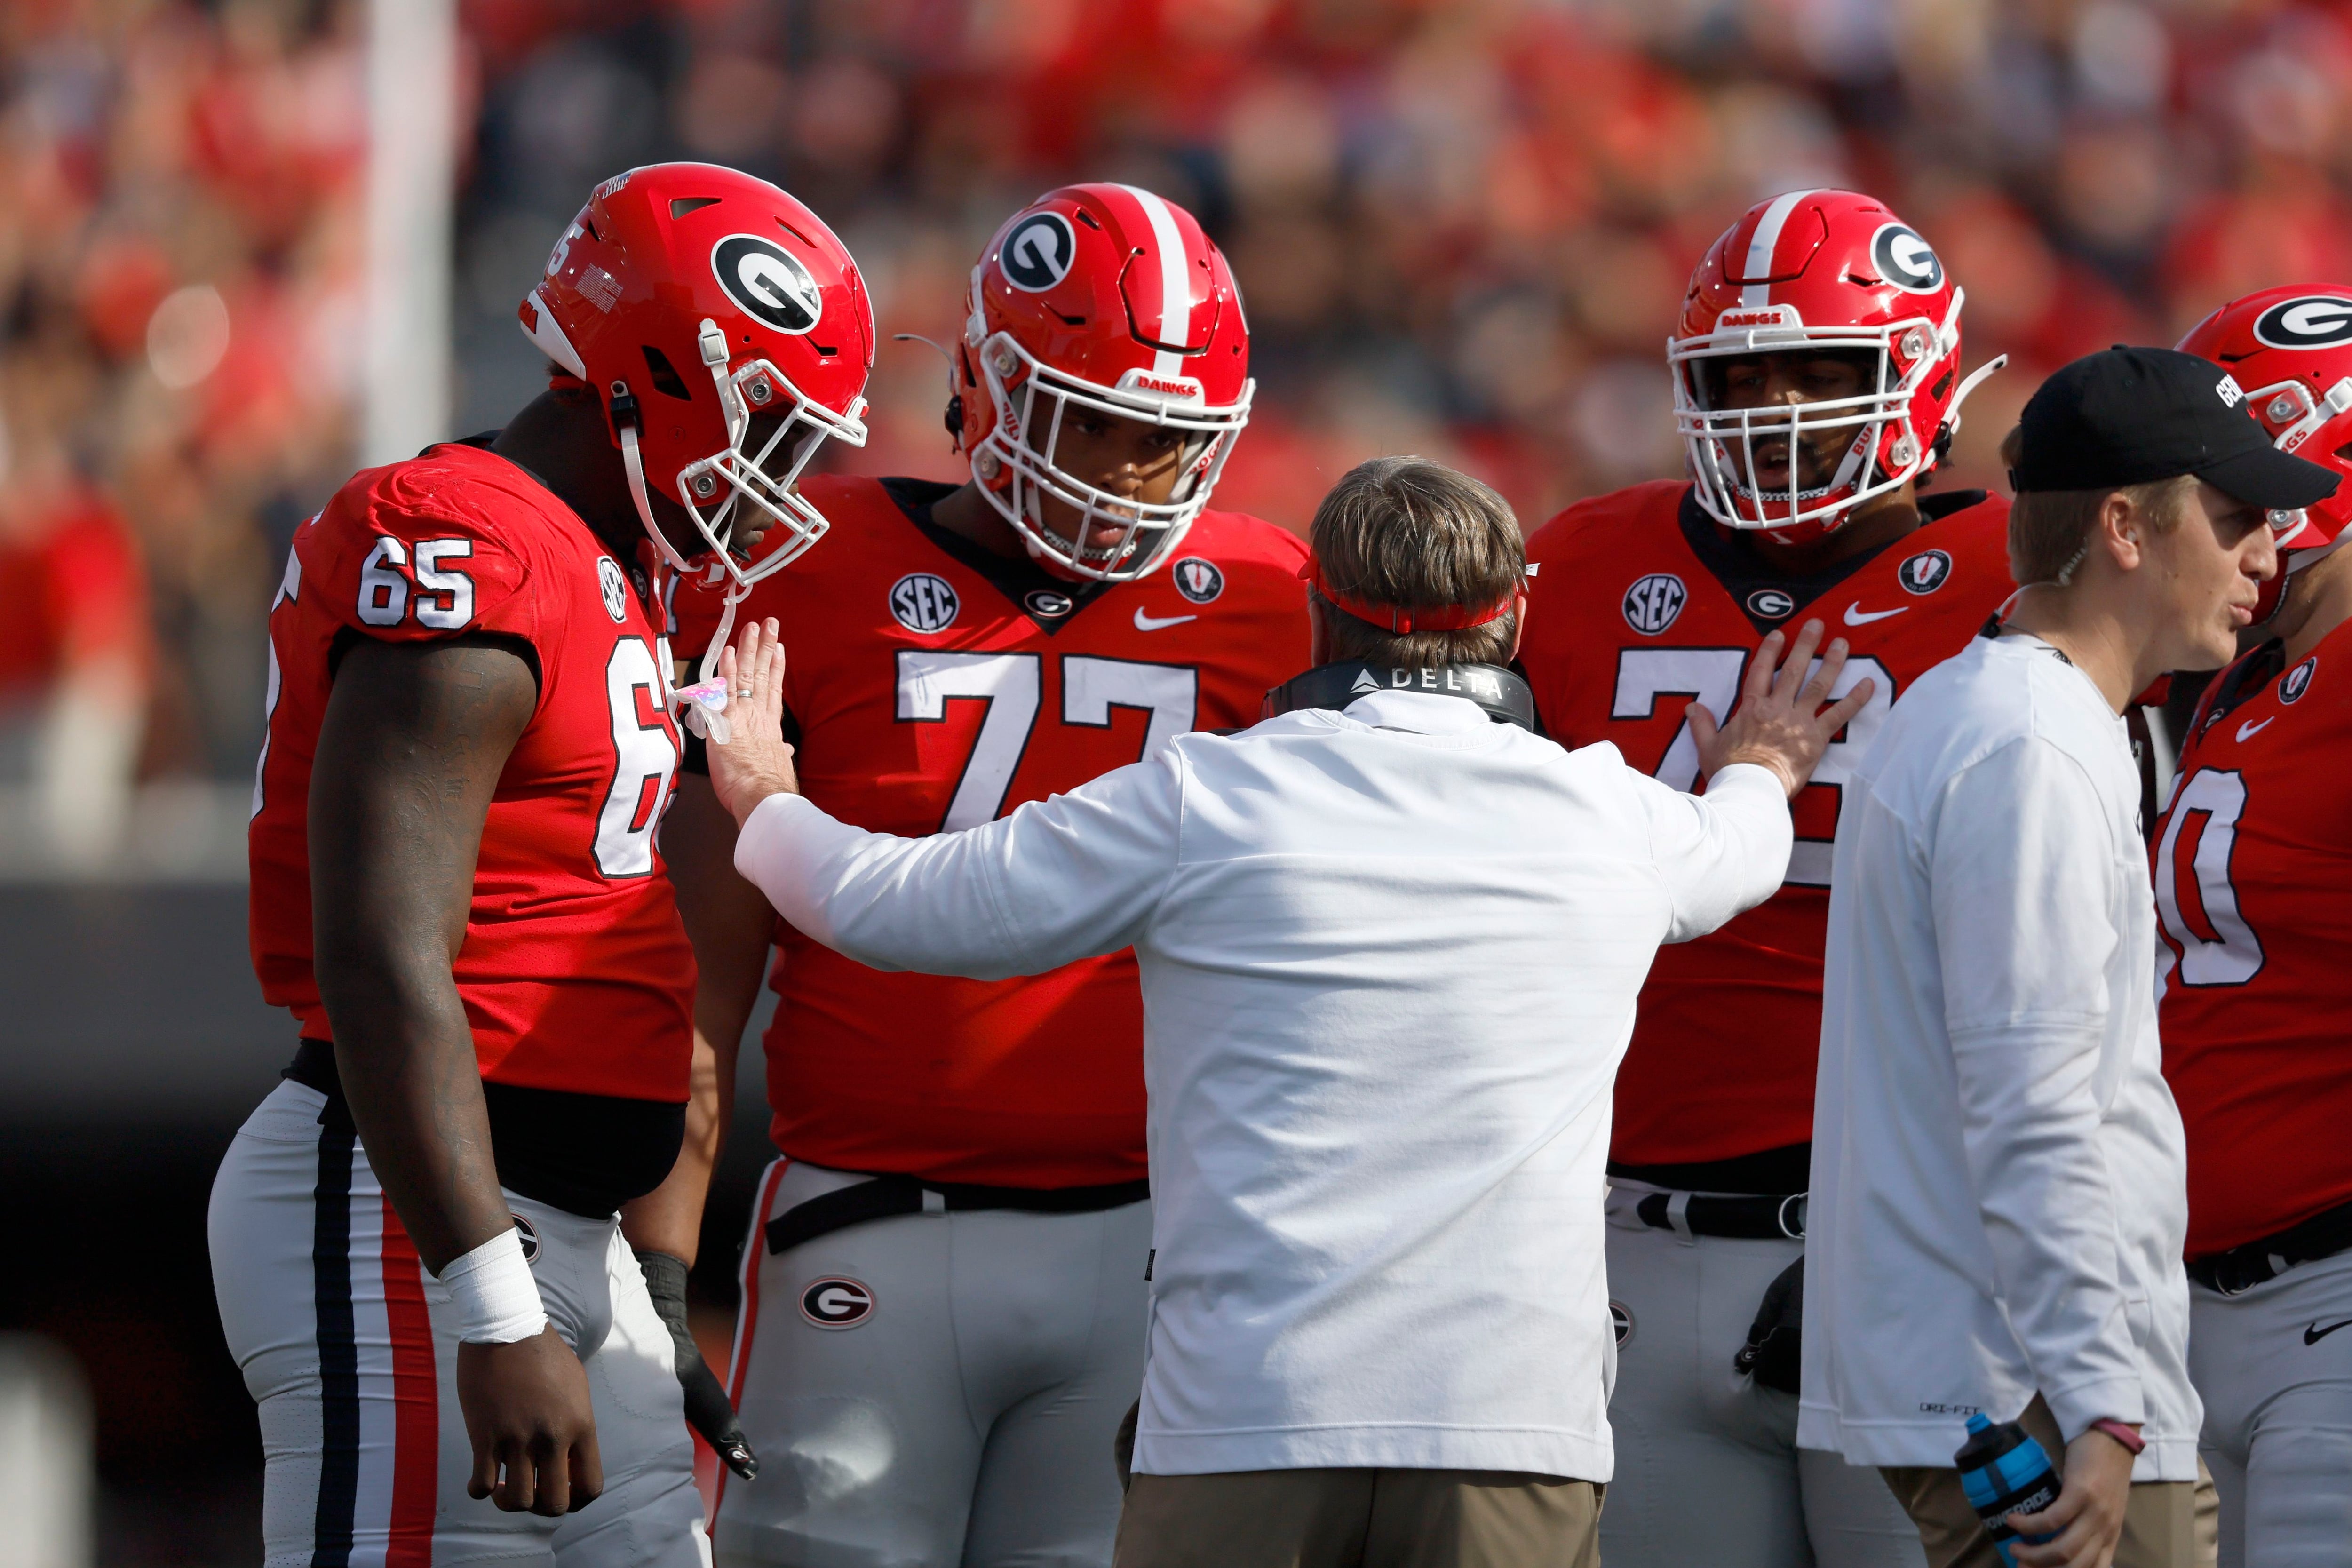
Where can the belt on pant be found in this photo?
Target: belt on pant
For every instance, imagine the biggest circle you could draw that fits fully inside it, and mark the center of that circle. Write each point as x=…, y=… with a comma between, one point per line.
x=886, y=1197
x=1764, y=1217
x=2241, y=1268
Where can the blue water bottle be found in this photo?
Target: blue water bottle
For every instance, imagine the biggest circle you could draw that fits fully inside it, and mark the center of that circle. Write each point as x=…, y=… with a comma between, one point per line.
x=2005, y=1471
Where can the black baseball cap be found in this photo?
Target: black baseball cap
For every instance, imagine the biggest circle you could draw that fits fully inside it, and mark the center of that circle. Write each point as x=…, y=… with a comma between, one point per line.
x=2130, y=416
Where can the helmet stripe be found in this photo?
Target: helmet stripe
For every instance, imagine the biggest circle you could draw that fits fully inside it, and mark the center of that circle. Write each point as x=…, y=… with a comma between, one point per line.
x=1175, y=291
x=1763, y=244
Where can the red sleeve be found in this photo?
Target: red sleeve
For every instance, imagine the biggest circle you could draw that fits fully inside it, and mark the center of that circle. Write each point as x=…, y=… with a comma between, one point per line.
x=407, y=560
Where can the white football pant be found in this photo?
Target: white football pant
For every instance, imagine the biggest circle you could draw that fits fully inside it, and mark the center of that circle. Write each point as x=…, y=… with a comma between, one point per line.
x=933, y=1388
x=348, y=1348
x=2275, y=1367
x=1708, y=1470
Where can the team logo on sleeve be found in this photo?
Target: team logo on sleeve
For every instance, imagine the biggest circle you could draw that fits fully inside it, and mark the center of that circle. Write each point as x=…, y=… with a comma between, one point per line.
x=2296, y=682
x=1652, y=602
x=2312, y=321
x=1905, y=259
x=1924, y=572
x=837, y=1301
x=1038, y=252
x=767, y=281
x=1769, y=604
x=924, y=602
x=1198, y=580
x=615, y=589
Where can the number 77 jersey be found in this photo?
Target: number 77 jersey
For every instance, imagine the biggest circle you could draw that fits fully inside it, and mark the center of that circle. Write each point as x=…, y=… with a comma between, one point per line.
x=574, y=972
x=931, y=686
x=1640, y=605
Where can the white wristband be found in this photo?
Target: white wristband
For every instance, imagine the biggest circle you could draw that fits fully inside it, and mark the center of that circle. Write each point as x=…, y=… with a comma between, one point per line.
x=495, y=1296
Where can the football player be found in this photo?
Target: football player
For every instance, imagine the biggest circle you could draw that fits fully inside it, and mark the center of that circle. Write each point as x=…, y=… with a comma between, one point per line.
x=944, y=1286
x=456, y=892
x=1817, y=383
x=2253, y=855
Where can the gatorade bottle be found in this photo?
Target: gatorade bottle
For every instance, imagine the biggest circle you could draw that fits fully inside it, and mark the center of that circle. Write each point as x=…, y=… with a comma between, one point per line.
x=2005, y=1471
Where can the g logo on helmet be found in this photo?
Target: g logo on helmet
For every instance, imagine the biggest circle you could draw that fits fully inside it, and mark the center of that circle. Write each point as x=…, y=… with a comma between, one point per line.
x=1905, y=259
x=767, y=283
x=2310, y=321
x=1038, y=252
x=837, y=1301
x=1652, y=602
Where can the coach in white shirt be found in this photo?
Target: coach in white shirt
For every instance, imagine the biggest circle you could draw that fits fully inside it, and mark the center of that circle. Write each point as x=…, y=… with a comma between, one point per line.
x=1998, y=1203
x=1390, y=948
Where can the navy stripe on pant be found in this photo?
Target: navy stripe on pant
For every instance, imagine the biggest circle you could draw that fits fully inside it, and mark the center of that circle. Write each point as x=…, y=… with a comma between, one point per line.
x=339, y=1369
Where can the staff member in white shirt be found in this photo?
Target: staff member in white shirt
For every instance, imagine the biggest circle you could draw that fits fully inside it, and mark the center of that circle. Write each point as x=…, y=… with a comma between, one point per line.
x=1998, y=1176
x=1390, y=947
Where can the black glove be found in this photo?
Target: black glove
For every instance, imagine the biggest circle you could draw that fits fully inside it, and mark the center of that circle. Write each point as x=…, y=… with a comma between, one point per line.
x=708, y=1409
x=1771, y=1355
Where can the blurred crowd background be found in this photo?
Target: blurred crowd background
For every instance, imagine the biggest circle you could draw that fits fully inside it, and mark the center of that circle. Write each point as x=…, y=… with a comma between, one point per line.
x=1461, y=227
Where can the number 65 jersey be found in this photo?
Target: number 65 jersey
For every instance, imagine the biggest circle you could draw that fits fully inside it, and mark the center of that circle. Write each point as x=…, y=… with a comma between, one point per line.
x=2252, y=864
x=574, y=972
x=931, y=685
x=1641, y=605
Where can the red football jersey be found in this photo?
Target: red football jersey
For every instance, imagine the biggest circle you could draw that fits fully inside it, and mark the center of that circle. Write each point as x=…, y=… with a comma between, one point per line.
x=2252, y=862
x=935, y=686
x=1640, y=604
x=576, y=970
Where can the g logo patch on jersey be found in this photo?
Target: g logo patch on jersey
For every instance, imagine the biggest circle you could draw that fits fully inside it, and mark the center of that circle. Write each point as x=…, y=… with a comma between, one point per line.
x=837, y=1301
x=767, y=281
x=615, y=589
x=1769, y=604
x=1046, y=602
x=1197, y=580
x=1924, y=572
x=1652, y=602
x=1905, y=259
x=2296, y=682
x=1038, y=252
x=2312, y=321
x=924, y=602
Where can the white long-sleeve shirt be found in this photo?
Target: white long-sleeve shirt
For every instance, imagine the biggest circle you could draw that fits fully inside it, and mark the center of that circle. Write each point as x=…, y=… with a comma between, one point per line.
x=1999, y=1199
x=1389, y=963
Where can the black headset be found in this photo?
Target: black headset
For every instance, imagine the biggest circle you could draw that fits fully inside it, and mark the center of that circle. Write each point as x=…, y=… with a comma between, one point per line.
x=1500, y=692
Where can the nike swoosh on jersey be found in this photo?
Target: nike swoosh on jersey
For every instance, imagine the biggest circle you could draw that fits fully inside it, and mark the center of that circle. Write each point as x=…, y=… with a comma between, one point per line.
x=2313, y=1334
x=1144, y=622
x=1856, y=616
x=2249, y=729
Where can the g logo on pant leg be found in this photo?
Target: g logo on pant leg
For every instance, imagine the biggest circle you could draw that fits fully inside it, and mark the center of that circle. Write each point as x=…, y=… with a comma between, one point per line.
x=837, y=1301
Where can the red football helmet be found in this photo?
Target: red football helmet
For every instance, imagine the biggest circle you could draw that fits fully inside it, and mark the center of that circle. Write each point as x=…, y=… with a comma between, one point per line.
x=1814, y=271
x=2291, y=348
x=1109, y=298
x=676, y=271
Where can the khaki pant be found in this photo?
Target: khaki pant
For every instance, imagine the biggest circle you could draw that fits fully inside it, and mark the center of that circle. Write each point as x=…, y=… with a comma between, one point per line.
x=1360, y=1519
x=2167, y=1524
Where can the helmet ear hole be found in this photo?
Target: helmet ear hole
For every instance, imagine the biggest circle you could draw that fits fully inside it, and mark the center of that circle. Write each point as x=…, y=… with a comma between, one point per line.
x=955, y=422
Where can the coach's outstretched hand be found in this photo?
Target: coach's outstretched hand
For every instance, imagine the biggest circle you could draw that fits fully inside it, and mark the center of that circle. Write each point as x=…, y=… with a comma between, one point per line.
x=755, y=762
x=1780, y=722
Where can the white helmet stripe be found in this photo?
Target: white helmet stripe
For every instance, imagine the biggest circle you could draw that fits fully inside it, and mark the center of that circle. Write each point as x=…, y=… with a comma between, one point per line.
x=1762, y=243
x=551, y=339
x=1175, y=287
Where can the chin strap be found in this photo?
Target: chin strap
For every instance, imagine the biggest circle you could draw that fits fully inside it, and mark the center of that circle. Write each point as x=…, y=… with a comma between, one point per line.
x=1952, y=417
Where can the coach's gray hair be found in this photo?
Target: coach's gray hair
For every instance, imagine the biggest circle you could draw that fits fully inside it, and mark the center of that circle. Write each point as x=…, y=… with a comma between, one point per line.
x=1419, y=535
